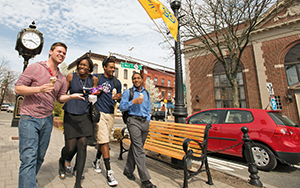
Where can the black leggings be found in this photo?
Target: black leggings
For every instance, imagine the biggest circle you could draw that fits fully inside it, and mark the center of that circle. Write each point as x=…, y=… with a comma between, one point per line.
x=70, y=146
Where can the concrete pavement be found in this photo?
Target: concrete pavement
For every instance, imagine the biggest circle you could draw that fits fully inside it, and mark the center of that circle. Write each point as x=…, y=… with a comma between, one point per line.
x=163, y=175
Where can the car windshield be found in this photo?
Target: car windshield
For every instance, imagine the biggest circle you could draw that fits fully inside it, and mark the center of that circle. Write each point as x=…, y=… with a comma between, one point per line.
x=281, y=119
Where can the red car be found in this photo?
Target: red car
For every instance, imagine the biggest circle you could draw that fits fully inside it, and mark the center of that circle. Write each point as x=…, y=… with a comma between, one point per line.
x=276, y=137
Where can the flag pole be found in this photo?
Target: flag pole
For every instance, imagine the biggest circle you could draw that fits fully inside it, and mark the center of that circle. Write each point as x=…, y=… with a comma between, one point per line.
x=163, y=35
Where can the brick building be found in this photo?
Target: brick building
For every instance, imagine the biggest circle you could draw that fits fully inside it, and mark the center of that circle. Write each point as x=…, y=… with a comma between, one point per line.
x=272, y=57
x=165, y=82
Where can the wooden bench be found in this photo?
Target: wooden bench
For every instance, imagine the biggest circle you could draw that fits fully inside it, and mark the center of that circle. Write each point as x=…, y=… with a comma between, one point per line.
x=184, y=142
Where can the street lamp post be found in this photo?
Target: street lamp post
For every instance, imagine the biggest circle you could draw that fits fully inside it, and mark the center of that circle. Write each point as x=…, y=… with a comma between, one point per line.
x=180, y=112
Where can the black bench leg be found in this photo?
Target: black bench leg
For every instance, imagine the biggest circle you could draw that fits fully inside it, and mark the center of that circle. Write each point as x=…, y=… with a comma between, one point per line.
x=185, y=181
x=208, y=173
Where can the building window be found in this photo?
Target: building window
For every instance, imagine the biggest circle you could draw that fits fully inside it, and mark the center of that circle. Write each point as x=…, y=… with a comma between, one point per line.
x=162, y=94
x=292, y=65
x=125, y=74
x=169, y=95
x=148, y=77
x=169, y=83
x=162, y=82
x=95, y=71
x=124, y=87
x=155, y=81
x=223, y=89
x=116, y=72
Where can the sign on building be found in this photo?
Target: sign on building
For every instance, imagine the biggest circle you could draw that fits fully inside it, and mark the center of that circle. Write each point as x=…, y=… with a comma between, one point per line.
x=270, y=88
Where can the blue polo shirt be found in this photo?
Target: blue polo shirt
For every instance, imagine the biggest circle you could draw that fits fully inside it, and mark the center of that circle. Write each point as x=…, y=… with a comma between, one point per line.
x=142, y=110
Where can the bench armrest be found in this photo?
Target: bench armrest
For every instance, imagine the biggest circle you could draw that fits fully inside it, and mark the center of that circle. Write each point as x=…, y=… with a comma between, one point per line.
x=202, y=146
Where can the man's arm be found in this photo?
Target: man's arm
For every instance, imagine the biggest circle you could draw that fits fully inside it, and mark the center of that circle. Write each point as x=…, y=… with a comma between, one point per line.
x=28, y=90
x=125, y=104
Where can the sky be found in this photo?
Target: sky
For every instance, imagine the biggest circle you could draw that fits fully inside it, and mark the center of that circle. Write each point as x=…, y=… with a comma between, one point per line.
x=100, y=26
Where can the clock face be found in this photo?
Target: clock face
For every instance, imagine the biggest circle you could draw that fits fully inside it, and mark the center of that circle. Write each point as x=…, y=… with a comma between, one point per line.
x=31, y=40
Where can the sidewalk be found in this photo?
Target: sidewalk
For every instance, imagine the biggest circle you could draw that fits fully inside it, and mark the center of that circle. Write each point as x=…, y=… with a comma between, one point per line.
x=163, y=175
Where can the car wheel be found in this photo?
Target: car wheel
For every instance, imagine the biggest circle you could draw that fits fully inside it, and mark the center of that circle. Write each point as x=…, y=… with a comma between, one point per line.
x=156, y=119
x=264, y=157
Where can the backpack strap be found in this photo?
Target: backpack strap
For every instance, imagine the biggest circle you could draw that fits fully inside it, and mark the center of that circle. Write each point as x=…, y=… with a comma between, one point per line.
x=131, y=94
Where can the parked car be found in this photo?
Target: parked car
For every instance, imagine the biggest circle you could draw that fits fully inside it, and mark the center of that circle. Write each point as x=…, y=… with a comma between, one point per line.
x=4, y=106
x=274, y=134
x=10, y=109
x=157, y=115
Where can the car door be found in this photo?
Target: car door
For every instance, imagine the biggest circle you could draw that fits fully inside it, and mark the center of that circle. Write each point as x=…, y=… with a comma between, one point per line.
x=209, y=117
x=230, y=130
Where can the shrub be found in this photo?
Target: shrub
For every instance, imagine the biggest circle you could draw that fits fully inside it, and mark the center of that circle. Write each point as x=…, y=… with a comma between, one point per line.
x=58, y=111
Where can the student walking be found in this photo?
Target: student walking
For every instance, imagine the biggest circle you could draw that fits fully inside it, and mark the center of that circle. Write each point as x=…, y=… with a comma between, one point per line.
x=139, y=109
x=41, y=84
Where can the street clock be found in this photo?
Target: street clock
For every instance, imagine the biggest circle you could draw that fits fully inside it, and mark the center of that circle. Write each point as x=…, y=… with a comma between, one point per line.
x=31, y=40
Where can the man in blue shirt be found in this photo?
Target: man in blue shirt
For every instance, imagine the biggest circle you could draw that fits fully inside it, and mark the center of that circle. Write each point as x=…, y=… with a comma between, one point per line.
x=138, y=126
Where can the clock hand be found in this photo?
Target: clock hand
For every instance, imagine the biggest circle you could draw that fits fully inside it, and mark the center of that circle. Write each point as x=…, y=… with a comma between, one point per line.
x=31, y=41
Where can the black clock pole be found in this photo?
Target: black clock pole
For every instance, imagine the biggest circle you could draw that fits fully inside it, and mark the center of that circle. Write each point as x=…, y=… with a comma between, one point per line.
x=27, y=53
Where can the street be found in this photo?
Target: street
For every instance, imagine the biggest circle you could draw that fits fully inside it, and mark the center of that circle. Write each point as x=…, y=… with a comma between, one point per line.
x=282, y=176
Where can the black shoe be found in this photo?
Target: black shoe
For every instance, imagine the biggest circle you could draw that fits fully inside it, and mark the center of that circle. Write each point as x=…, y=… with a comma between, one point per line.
x=148, y=184
x=77, y=186
x=129, y=176
x=75, y=173
x=61, y=170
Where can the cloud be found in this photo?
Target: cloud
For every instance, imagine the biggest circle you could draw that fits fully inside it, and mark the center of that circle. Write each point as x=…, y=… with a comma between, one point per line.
x=100, y=26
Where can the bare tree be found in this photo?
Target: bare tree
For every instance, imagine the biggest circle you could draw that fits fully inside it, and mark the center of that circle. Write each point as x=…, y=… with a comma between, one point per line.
x=223, y=28
x=7, y=79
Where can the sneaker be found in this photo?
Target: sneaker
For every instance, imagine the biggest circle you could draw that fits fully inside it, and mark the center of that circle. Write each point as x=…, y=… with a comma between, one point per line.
x=68, y=170
x=111, y=179
x=96, y=165
x=75, y=173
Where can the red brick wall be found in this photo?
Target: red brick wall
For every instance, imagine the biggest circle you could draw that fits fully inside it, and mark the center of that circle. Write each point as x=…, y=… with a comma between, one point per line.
x=159, y=75
x=274, y=54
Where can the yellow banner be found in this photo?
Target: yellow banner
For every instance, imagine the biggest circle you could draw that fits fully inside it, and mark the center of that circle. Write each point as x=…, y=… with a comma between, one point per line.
x=170, y=20
x=156, y=9
x=150, y=8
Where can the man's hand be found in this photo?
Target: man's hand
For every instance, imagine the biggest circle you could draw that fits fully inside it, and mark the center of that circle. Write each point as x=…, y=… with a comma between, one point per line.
x=117, y=96
x=46, y=88
x=137, y=100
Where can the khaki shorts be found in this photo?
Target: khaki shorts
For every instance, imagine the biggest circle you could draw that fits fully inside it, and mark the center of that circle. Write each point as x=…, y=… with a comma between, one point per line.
x=104, y=127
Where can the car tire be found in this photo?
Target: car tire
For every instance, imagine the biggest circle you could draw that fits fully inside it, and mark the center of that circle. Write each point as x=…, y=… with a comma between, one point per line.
x=264, y=158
